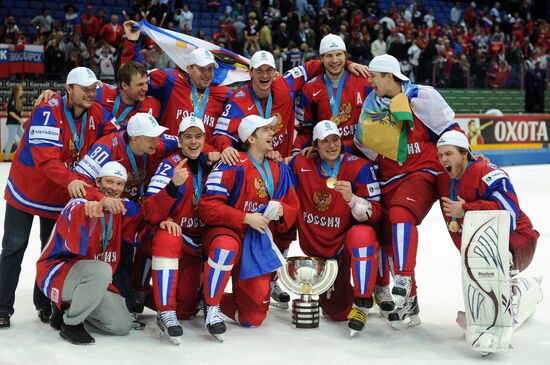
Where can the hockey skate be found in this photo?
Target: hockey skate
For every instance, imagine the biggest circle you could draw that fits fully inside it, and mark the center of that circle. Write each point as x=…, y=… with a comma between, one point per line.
x=401, y=290
x=407, y=316
x=169, y=326
x=358, y=315
x=384, y=300
x=279, y=298
x=4, y=320
x=214, y=322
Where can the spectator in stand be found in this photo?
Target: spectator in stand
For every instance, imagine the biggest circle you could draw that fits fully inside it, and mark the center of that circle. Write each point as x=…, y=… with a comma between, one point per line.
x=413, y=54
x=251, y=36
x=14, y=119
x=54, y=57
x=266, y=37
x=535, y=87
x=378, y=47
x=105, y=59
x=90, y=23
x=101, y=19
x=184, y=17
x=281, y=37
x=112, y=32
x=71, y=18
x=456, y=13
x=10, y=28
x=76, y=44
x=44, y=22
x=470, y=15
x=222, y=38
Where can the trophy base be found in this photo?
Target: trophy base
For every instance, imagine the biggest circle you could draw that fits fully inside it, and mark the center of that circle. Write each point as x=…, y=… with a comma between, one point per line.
x=305, y=314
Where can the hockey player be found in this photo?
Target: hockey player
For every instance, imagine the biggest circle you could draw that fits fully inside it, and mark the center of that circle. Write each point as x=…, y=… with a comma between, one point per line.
x=335, y=95
x=267, y=95
x=173, y=194
x=408, y=176
x=129, y=97
x=339, y=197
x=77, y=265
x=183, y=93
x=139, y=149
x=42, y=180
x=241, y=206
x=125, y=100
x=477, y=185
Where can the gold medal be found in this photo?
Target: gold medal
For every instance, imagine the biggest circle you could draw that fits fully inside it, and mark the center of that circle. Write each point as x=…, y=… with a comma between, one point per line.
x=453, y=226
x=330, y=182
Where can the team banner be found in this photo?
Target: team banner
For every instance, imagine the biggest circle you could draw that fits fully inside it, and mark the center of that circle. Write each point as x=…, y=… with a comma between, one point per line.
x=512, y=131
x=29, y=60
x=232, y=67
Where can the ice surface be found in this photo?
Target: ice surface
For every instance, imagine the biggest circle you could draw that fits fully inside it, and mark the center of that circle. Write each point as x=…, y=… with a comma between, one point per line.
x=439, y=340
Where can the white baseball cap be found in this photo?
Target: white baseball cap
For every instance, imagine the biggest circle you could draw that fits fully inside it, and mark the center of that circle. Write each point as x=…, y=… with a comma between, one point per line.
x=262, y=58
x=252, y=122
x=82, y=76
x=144, y=124
x=325, y=128
x=454, y=138
x=113, y=169
x=331, y=42
x=202, y=57
x=191, y=121
x=387, y=63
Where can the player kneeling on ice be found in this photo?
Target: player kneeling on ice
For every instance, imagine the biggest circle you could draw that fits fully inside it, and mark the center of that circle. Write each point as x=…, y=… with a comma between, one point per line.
x=496, y=240
x=172, y=201
x=242, y=205
x=76, y=267
x=339, y=196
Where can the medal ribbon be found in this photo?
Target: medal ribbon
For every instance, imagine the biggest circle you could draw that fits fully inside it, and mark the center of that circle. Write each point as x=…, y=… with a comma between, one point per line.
x=78, y=140
x=266, y=176
x=199, y=109
x=132, y=159
x=455, y=186
x=197, y=184
x=106, y=231
x=335, y=102
x=124, y=114
x=332, y=172
x=259, y=105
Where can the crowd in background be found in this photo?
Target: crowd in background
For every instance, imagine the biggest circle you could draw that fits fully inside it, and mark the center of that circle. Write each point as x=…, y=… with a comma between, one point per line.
x=482, y=46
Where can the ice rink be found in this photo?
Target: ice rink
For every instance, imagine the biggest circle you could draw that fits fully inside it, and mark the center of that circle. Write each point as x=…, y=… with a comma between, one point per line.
x=438, y=340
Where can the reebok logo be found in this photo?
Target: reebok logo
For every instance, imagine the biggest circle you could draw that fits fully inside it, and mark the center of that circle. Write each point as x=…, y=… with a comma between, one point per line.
x=486, y=275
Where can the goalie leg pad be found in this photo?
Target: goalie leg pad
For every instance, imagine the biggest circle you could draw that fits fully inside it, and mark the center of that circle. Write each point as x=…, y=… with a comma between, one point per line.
x=486, y=280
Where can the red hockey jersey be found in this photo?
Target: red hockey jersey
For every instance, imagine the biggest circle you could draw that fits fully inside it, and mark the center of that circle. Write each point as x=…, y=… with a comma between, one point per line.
x=241, y=104
x=484, y=186
x=76, y=237
x=325, y=217
x=107, y=96
x=315, y=106
x=43, y=164
x=114, y=148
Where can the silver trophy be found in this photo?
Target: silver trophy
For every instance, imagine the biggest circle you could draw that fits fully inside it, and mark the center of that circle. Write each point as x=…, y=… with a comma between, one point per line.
x=307, y=276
